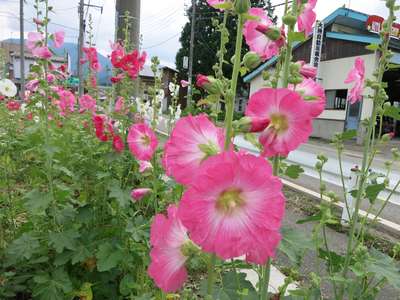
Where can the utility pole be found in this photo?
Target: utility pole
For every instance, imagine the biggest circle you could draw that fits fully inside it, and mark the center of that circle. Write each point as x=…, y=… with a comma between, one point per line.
x=22, y=48
x=80, y=45
x=191, y=49
x=133, y=7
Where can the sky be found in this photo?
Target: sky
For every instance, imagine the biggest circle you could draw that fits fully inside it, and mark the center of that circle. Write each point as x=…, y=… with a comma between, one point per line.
x=161, y=21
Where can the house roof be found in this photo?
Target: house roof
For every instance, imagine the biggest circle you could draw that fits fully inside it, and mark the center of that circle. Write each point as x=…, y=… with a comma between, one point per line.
x=343, y=16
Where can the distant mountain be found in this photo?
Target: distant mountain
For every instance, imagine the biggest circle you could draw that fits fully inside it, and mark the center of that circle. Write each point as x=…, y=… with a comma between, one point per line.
x=72, y=50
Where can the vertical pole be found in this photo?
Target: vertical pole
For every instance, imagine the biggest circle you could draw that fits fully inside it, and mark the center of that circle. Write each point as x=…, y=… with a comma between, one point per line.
x=191, y=49
x=22, y=48
x=80, y=45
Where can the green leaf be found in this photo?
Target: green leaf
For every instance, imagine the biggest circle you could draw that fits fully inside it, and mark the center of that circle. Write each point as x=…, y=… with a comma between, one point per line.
x=384, y=266
x=37, y=202
x=224, y=5
x=296, y=37
x=108, y=257
x=52, y=286
x=127, y=285
x=314, y=218
x=372, y=191
x=372, y=47
x=348, y=135
x=63, y=240
x=295, y=243
x=294, y=171
x=24, y=247
x=334, y=261
x=123, y=197
x=392, y=112
x=80, y=254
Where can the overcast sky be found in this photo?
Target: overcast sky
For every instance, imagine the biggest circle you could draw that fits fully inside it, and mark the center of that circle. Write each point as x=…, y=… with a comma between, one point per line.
x=161, y=21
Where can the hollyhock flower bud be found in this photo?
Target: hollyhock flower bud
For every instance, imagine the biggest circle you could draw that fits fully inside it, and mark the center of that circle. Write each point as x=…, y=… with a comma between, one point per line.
x=242, y=6
x=184, y=83
x=32, y=85
x=289, y=20
x=145, y=166
x=307, y=71
x=251, y=60
x=138, y=194
x=38, y=22
x=210, y=84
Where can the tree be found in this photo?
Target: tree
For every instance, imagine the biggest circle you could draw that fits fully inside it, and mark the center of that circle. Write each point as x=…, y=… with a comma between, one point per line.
x=207, y=38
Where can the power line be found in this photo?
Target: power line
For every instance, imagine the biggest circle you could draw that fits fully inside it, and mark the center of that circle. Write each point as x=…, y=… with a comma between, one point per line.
x=163, y=42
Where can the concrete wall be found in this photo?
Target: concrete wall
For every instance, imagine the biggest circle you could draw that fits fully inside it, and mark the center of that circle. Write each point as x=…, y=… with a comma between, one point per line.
x=326, y=129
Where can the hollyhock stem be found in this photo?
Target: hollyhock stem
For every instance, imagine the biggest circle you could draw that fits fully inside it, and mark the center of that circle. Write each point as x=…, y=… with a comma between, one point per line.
x=264, y=282
x=211, y=275
x=222, y=45
x=289, y=49
x=367, y=146
x=230, y=99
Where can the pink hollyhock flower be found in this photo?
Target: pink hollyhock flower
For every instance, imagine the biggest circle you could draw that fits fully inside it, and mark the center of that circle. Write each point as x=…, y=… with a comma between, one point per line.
x=92, y=58
x=2, y=97
x=307, y=71
x=184, y=83
x=118, y=78
x=29, y=116
x=168, y=237
x=118, y=144
x=32, y=85
x=306, y=20
x=58, y=38
x=255, y=33
x=50, y=78
x=42, y=52
x=34, y=39
x=13, y=105
x=356, y=75
x=117, y=55
x=99, y=124
x=87, y=103
x=202, y=80
x=313, y=95
x=144, y=166
x=133, y=63
x=120, y=105
x=142, y=141
x=290, y=122
x=66, y=102
x=138, y=194
x=234, y=207
x=191, y=142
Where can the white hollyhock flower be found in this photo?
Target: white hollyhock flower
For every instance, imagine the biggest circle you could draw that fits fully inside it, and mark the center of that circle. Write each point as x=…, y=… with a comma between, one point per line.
x=8, y=88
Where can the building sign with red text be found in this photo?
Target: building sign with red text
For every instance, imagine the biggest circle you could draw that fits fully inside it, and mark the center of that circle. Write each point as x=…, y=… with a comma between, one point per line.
x=375, y=24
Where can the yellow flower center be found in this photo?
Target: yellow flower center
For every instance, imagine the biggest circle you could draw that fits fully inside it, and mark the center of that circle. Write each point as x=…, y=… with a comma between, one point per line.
x=279, y=123
x=229, y=200
x=145, y=140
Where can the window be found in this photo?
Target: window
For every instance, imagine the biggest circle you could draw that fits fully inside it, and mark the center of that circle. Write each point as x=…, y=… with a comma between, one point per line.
x=336, y=99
